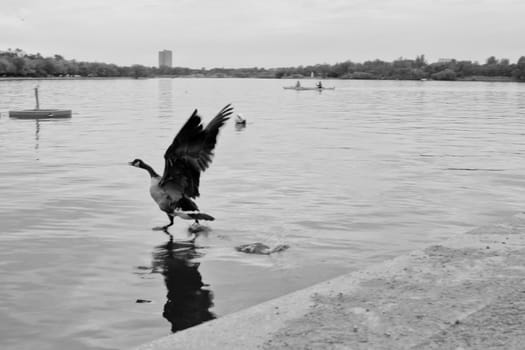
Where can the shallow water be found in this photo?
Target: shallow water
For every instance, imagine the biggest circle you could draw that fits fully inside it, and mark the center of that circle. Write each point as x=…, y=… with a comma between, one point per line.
x=346, y=178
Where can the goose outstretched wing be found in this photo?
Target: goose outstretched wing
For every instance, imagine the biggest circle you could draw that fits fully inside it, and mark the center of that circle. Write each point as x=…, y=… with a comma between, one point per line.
x=191, y=152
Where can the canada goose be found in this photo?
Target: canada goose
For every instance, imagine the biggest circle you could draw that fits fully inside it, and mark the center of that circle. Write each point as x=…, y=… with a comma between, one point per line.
x=190, y=153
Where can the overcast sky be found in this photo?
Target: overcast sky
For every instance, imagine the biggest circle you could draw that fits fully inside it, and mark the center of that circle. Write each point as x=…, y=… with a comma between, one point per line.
x=264, y=33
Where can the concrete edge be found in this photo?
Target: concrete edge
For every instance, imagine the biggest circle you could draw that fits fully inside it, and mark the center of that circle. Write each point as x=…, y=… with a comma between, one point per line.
x=275, y=320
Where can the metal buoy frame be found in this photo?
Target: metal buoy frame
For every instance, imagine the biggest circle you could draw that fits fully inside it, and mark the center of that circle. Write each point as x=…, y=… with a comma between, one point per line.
x=38, y=113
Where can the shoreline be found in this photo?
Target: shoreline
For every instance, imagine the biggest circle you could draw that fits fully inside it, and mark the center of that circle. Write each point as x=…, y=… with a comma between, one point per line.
x=63, y=78
x=198, y=76
x=465, y=293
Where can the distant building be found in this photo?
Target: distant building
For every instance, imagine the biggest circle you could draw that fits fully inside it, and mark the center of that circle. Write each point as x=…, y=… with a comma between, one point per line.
x=445, y=60
x=165, y=59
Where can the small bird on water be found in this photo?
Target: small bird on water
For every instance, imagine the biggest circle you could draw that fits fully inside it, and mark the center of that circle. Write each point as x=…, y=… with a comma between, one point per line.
x=190, y=153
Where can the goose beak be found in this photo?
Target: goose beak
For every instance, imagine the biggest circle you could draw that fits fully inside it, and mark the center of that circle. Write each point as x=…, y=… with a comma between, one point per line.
x=130, y=163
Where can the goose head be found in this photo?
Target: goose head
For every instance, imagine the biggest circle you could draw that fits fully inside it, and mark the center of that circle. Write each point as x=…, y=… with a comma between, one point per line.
x=138, y=163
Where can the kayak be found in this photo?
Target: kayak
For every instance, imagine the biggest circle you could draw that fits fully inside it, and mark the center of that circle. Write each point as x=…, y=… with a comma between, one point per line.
x=301, y=88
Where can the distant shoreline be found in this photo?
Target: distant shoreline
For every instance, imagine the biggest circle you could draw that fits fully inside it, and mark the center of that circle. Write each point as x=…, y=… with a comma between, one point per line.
x=198, y=76
x=63, y=78
x=17, y=64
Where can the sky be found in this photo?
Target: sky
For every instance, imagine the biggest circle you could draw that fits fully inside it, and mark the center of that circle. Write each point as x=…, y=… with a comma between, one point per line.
x=264, y=33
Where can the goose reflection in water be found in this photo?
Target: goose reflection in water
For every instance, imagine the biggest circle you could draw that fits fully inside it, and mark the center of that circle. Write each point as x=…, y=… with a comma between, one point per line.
x=188, y=299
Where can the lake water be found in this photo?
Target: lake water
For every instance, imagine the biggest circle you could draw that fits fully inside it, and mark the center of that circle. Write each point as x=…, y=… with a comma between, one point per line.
x=346, y=178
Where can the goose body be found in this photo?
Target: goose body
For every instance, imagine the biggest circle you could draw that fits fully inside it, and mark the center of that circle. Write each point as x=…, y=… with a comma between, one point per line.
x=190, y=153
x=159, y=195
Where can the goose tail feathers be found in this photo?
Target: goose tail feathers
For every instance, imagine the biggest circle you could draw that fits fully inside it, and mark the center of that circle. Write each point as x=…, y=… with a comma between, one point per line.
x=202, y=216
x=193, y=215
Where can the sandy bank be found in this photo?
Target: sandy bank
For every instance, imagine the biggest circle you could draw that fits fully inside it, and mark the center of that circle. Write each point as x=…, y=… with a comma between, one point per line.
x=466, y=293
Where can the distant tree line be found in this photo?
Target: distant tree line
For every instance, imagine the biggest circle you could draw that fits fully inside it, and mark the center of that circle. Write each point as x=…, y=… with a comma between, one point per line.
x=414, y=69
x=17, y=63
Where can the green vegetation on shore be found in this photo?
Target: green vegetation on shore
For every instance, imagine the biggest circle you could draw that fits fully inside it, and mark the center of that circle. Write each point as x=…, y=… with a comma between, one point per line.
x=17, y=63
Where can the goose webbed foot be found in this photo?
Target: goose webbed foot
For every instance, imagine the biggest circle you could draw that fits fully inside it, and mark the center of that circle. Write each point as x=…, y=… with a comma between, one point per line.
x=163, y=229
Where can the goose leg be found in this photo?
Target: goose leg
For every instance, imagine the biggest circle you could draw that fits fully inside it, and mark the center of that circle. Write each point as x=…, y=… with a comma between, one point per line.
x=171, y=222
x=165, y=227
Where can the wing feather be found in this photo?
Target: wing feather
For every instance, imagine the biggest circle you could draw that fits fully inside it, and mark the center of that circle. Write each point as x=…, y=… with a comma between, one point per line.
x=191, y=152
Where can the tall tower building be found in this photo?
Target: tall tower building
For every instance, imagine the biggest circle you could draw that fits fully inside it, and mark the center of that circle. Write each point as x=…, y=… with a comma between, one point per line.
x=165, y=59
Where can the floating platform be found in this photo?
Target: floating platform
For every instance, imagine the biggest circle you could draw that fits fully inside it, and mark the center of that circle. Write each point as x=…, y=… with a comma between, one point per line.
x=40, y=114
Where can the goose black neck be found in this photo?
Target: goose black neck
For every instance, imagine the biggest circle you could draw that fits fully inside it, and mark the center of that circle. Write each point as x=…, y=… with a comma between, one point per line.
x=150, y=170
